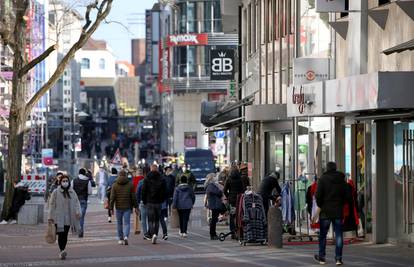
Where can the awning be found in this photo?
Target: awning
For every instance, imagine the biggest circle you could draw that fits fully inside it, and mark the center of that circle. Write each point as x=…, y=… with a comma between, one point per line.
x=214, y=113
x=224, y=126
x=400, y=48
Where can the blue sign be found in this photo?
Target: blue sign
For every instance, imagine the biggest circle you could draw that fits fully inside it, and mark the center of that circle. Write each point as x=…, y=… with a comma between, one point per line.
x=220, y=134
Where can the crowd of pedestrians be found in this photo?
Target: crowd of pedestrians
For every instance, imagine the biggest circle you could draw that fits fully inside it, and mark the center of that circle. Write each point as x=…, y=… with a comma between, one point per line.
x=153, y=196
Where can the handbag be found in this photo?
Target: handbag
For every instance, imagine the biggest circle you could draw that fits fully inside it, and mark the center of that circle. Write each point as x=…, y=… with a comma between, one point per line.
x=50, y=236
x=137, y=224
x=106, y=204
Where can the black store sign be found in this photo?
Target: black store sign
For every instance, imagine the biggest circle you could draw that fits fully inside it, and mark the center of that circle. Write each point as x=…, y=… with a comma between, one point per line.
x=222, y=64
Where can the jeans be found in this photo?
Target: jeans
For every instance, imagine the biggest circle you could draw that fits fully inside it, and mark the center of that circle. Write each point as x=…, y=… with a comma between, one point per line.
x=214, y=219
x=123, y=218
x=339, y=244
x=144, y=218
x=163, y=220
x=154, y=212
x=84, y=206
x=102, y=192
x=63, y=237
x=184, y=216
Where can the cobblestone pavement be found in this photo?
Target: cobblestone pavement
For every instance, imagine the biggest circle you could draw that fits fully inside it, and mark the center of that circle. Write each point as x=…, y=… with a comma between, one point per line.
x=25, y=246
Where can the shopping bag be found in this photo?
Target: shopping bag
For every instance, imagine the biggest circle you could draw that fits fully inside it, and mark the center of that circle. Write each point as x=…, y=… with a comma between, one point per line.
x=50, y=233
x=106, y=204
x=137, y=224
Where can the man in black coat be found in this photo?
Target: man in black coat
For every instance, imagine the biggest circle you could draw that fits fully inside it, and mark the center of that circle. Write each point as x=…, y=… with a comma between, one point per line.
x=153, y=195
x=330, y=198
x=170, y=185
x=270, y=190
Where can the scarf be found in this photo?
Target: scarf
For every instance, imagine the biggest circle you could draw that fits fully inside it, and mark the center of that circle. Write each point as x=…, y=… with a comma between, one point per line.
x=59, y=204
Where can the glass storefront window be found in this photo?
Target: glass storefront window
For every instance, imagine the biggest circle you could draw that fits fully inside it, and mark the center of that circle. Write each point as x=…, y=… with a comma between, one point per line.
x=278, y=154
x=314, y=31
x=192, y=17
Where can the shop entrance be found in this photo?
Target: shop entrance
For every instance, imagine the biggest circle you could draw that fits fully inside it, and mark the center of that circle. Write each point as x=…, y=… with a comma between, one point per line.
x=404, y=180
x=278, y=154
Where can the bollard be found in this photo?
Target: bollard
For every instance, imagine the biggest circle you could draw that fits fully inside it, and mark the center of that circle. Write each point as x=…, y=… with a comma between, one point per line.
x=274, y=227
x=174, y=222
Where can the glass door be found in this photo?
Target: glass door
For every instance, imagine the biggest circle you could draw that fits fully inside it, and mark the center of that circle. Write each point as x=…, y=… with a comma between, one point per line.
x=278, y=154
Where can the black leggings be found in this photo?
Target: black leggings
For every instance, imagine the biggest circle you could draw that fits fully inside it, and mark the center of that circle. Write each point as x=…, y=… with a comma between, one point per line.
x=184, y=216
x=63, y=237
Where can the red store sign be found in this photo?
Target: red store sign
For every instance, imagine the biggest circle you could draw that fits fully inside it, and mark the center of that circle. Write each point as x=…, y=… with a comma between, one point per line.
x=187, y=39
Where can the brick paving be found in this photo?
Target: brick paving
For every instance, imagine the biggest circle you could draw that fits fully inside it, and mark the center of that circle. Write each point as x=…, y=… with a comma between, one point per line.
x=25, y=246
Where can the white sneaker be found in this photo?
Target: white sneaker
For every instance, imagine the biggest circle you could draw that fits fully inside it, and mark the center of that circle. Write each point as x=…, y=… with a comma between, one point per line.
x=154, y=239
x=185, y=235
x=126, y=241
x=109, y=219
x=121, y=242
x=3, y=222
x=13, y=222
x=62, y=255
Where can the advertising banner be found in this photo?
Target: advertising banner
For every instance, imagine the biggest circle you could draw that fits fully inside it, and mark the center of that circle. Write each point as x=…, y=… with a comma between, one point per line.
x=187, y=39
x=222, y=64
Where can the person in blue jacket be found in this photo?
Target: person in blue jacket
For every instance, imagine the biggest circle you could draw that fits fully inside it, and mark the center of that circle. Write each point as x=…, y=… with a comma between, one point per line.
x=183, y=201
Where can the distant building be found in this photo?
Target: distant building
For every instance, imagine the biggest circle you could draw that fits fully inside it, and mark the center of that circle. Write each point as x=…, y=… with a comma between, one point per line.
x=125, y=69
x=138, y=57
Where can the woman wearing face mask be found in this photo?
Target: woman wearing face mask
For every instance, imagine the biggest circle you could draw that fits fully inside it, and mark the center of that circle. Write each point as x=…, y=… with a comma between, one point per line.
x=64, y=212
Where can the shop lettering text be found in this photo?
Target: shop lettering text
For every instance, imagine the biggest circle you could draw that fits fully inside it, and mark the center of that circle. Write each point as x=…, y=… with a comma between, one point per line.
x=299, y=99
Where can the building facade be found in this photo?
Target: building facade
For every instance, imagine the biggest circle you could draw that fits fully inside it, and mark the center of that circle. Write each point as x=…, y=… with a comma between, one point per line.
x=192, y=30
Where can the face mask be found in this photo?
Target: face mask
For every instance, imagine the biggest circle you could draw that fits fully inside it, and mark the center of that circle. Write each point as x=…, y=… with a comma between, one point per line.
x=65, y=184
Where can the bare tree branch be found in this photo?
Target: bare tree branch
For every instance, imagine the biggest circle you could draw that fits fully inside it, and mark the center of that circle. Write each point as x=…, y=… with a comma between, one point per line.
x=37, y=60
x=103, y=11
x=121, y=24
x=88, y=15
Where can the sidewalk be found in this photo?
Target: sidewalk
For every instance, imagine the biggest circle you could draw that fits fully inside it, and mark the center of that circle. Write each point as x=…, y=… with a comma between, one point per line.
x=25, y=246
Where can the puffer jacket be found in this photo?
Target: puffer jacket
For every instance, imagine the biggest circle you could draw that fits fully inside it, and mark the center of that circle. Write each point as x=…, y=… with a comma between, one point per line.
x=331, y=195
x=122, y=194
x=214, y=197
x=184, y=197
x=154, y=189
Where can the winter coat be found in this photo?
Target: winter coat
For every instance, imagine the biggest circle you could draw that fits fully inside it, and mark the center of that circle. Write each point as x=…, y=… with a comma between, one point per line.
x=233, y=187
x=154, y=189
x=267, y=187
x=184, y=197
x=331, y=195
x=21, y=194
x=244, y=174
x=170, y=183
x=122, y=194
x=63, y=211
x=214, y=197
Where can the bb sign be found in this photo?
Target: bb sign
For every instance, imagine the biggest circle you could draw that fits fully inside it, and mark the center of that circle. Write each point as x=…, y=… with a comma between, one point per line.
x=222, y=64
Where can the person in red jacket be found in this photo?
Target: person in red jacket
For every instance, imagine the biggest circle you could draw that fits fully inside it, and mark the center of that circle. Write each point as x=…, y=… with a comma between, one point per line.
x=138, y=176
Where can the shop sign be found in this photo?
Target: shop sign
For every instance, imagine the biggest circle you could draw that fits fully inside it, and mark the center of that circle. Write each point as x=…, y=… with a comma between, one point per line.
x=305, y=100
x=187, y=39
x=222, y=64
x=47, y=156
x=190, y=139
x=330, y=5
x=309, y=70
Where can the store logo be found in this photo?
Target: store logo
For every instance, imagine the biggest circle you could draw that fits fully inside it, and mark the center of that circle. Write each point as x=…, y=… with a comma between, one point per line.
x=222, y=64
x=184, y=38
x=310, y=75
x=299, y=99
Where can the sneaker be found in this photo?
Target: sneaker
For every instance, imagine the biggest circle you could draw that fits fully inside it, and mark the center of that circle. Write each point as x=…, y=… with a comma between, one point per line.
x=185, y=235
x=13, y=222
x=62, y=255
x=126, y=241
x=147, y=237
x=165, y=237
x=3, y=222
x=320, y=260
x=339, y=262
x=214, y=237
x=154, y=239
x=121, y=242
x=109, y=219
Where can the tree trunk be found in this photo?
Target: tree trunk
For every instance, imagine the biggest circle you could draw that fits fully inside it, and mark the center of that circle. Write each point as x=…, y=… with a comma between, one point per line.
x=18, y=114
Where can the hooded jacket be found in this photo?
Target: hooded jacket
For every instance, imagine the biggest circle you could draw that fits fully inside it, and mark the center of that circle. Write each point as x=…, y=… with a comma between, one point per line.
x=154, y=189
x=83, y=187
x=122, y=194
x=267, y=187
x=331, y=195
x=233, y=187
x=184, y=197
